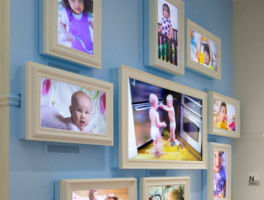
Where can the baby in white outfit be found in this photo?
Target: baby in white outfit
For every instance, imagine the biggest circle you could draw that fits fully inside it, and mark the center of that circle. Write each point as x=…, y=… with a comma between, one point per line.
x=155, y=124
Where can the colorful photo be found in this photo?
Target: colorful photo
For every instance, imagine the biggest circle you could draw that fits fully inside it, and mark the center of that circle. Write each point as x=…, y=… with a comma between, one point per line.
x=167, y=32
x=71, y=107
x=203, y=50
x=224, y=115
x=219, y=174
x=75, y=24
x=163, y=124
x=101, y=194
x=166, y=192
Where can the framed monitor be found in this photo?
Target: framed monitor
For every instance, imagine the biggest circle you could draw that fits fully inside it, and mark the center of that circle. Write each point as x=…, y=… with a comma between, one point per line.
x=162, y=123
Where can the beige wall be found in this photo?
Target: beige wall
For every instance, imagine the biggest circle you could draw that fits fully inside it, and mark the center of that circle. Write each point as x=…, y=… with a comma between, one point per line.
x=4, y=91
x=248, y=47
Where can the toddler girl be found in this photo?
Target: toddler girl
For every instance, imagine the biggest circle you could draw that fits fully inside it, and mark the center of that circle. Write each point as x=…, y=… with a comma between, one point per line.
x=166, y=26
x=75, y=25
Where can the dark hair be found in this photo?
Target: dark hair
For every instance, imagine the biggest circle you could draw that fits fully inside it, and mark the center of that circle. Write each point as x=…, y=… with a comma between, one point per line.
x=206, y=48
x=223, y=104
x=115, y=198
x=88, y=6
x=221, y=153
x=178, y=193
x=166, y=5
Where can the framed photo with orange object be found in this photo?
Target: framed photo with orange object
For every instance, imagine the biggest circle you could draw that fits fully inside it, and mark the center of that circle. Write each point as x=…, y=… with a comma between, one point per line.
x=203, y=51
x=224, y=115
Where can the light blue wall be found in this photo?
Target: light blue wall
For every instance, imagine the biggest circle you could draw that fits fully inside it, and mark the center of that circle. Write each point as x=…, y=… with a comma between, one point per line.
x=34, y=171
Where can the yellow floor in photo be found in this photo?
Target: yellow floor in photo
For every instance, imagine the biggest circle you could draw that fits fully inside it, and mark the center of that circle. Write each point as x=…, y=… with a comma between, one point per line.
x=169, y=152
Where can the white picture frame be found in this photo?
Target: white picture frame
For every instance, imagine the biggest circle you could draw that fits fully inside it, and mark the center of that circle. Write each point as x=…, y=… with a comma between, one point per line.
x=109, y=185
x=52, y=46
x=148, y=182
x=232, y=109
x=36, y=75
x=128, y=147
x=212, y=70
x=215, y=188
x=175, y=63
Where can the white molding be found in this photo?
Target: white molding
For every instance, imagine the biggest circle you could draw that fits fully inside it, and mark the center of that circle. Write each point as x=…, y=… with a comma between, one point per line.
x=4, y=101
x=252, y=135
x=4, y=91
x=10, y=100
x=4, y=47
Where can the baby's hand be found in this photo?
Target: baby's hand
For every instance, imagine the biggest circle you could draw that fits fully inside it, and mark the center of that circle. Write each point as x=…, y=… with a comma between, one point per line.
x=92, y=191
x=69, y=37
x=91, y=194
x=164, y=124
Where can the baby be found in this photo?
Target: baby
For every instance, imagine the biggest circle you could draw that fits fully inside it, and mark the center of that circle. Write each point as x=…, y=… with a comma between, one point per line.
x=155, y=124
x=92, y=196
x=80, y=110
x=171, y=113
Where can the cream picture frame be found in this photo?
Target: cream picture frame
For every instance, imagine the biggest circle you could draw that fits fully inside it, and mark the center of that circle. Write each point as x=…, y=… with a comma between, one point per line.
x=153, y=46
x=212, y=184
x=127, y=140
x=52, y=47
x=34, y=130
x=212, y=96
x=68, y=186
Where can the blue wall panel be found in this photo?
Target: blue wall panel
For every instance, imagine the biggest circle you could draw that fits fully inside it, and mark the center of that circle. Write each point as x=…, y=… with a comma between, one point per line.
x=35, y=172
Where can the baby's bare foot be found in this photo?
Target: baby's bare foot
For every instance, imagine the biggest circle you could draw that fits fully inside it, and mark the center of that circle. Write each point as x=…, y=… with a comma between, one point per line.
x=157, y=154
x=180, y=145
